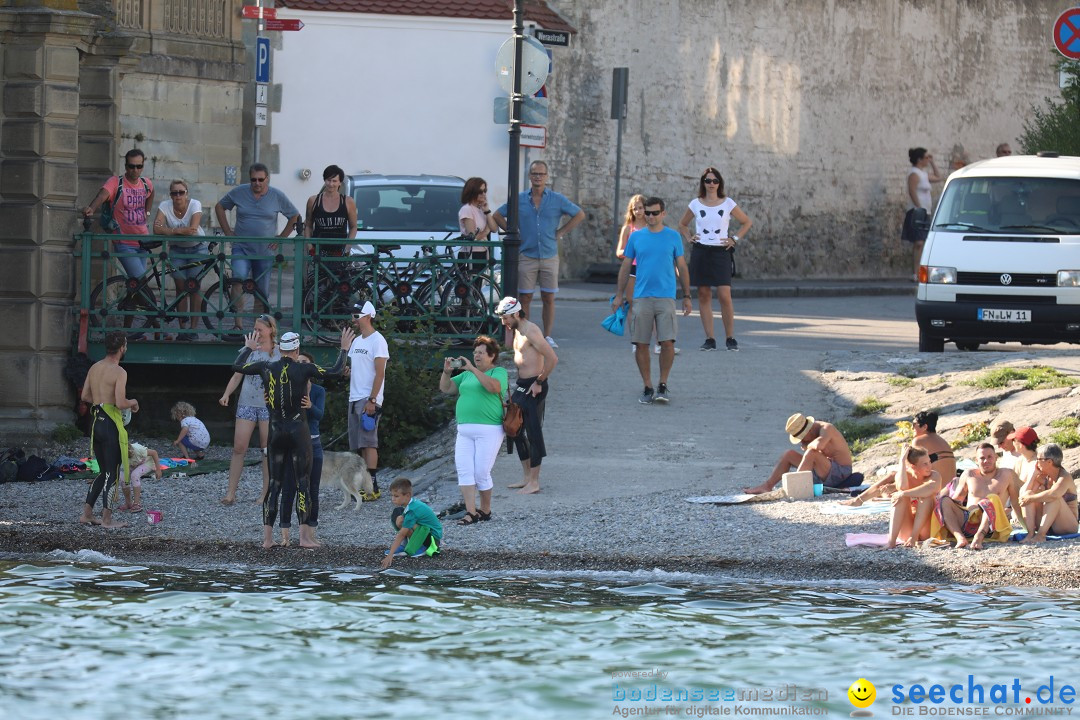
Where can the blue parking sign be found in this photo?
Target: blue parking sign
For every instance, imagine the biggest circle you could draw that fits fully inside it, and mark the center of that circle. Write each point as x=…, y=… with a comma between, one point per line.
x=262, y=60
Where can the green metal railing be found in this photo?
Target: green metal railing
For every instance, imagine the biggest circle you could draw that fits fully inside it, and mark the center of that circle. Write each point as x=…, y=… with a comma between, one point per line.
x=189, y=306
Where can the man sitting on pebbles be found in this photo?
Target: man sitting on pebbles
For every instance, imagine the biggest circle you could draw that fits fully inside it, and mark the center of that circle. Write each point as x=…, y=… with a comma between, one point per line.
x=826, y=454
x=973, y=506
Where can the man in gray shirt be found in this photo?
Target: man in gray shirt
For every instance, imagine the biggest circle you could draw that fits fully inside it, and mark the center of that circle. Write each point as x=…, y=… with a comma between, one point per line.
x=257, y=208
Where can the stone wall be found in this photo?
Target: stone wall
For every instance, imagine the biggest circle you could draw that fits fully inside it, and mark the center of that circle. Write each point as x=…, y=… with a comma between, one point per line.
x=807, y=107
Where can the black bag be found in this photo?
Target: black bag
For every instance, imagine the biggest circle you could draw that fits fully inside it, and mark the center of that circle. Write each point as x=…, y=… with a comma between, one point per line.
x=33, y=468
x=9, y=464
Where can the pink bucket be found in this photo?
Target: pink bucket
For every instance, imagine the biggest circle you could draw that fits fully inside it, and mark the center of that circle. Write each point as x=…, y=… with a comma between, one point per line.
x=153, y=516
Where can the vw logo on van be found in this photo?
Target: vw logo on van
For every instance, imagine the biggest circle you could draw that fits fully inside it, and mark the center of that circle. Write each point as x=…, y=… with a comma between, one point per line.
x=1006, y=279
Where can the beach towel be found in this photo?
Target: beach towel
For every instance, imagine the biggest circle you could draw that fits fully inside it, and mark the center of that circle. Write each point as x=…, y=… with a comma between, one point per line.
x=866, y=539
x=1001, y=528
x=738, y=499
x=871, y=507
x=1020, y=535
x=616, y=321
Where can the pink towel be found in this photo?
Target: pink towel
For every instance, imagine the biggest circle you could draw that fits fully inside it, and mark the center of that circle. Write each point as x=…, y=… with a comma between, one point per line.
x=866, y=539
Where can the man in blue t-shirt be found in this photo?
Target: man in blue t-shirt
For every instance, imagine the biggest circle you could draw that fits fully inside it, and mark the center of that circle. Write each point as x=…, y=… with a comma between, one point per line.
x=540, y=210
x=659, y=254
x=257, y=208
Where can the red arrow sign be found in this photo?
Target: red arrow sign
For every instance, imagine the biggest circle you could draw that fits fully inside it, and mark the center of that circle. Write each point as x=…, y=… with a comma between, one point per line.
x=283, y=25
x=252, y=12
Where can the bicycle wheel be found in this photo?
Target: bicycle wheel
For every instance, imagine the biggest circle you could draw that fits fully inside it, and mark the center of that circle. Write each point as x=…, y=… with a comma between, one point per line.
x=122, y=302
x=221, y=312
x=463, y=309
x=328, y=307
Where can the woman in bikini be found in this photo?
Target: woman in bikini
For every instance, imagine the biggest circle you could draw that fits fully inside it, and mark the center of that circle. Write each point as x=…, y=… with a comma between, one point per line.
x=1049, y=497
x=941, y=458
x=917, y=484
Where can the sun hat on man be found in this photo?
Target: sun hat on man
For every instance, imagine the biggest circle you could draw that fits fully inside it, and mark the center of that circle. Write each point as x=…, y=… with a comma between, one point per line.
x=289, y=341
x=367, y=309
x=798, y=425
x=1000, y=431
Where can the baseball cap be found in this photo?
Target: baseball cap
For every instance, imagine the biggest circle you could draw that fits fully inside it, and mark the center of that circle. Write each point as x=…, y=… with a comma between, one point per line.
x=1001, y=431
x=508, y=306
x=366, y=309
x=289, y=341
x=1024, y=436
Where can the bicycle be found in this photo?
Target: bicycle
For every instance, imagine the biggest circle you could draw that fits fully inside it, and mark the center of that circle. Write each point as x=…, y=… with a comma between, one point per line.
x=455, y=295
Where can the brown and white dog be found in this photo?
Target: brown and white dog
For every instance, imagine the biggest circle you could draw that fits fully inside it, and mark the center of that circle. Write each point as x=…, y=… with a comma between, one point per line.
x=349, y=472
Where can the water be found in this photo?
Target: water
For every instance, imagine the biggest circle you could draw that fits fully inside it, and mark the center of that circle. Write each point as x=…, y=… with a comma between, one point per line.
x=85, y=636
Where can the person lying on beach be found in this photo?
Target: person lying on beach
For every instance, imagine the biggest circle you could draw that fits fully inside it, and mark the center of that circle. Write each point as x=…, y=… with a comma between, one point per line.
x=918, y=484
x=826, y=454
x=1048, y=499
x=958, y=504
x=926, y=438
x=419, y=531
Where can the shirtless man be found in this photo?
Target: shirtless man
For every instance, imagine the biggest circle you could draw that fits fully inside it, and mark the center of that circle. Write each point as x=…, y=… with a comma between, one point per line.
x=826, y=454
x=926, y=438
x=535, y=360
x=972, y=493
x=106, y=391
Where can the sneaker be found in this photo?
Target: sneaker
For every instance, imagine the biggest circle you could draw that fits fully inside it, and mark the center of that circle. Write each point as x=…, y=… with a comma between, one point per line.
x=709, y=344
x=656, y=350
x=551, y=341
x=661, y=394
x=646, y=397
x=732, y=344
x=400, y=552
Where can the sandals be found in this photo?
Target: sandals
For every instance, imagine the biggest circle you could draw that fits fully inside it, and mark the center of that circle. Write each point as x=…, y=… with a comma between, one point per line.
x=470, y=519
x=484, y=516
x=124, y=508
x=137, y=507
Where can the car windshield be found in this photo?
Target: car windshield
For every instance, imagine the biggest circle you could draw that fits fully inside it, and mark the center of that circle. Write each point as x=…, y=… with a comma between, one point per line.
x=1017, y=206
x=406, y=207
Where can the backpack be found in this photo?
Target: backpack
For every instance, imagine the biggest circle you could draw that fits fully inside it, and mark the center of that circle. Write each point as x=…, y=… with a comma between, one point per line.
x=10, y=460
x=33, y=468
x=107, y=219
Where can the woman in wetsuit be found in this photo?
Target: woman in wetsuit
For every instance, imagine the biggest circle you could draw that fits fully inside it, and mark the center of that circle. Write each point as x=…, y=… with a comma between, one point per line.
x=286, y=382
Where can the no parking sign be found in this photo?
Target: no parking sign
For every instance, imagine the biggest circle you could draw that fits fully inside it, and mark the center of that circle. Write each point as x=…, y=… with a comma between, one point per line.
x=1067, y=33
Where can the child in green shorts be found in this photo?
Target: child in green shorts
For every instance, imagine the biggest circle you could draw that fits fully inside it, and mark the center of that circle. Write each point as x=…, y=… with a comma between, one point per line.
x=419, y=532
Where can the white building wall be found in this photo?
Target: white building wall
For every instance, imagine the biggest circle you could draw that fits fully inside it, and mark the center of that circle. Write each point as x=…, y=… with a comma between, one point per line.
x=387, y=94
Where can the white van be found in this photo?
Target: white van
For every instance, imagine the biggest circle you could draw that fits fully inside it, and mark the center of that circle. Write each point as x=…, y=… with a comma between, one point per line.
x=1002, y=258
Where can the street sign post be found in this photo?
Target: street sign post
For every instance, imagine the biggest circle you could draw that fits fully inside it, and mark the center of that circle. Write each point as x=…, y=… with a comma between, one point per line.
x=262, y=60
x=283, y=25
x=557, y=38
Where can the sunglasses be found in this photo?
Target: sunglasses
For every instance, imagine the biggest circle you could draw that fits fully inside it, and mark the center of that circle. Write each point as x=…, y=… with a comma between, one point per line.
x=711, y=181
x=178, y=193
x=266, y=319
x=653, y=213
x=134, y=167
x=259, y=180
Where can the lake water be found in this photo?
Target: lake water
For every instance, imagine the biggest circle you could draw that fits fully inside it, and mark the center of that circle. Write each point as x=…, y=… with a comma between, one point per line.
x=85, y=636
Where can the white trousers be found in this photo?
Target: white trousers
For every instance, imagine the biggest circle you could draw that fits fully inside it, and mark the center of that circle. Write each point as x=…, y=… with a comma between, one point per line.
x=475, y=452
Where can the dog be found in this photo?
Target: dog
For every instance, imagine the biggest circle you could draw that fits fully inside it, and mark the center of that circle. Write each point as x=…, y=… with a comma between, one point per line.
x=349, y=472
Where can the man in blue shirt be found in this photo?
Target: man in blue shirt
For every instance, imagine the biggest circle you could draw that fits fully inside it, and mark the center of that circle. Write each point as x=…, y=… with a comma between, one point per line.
x=540, y=210
x=659, y=254
x=257, y=208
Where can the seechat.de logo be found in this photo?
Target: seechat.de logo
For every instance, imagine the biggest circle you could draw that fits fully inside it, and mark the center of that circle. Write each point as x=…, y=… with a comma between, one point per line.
x=862, y=694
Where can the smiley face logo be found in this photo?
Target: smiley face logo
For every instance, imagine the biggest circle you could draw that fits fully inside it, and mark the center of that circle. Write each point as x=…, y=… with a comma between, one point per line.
x=862, y=694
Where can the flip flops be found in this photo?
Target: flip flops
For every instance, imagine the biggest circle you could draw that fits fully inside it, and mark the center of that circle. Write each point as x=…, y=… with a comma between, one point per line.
x=136, y=508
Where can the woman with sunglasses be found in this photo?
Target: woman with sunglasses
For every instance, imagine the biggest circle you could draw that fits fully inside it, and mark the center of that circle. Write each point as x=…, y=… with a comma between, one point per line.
x=475, y=221
x=710, y=258
x=251, y=407
x=181, y=216
x=1048, y=499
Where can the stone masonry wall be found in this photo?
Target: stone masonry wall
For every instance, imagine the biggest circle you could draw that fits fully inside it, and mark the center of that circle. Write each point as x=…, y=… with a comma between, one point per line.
x=807, y=107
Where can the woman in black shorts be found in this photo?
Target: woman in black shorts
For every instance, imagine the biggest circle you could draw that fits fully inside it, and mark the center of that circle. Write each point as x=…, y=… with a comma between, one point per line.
x=710, y=258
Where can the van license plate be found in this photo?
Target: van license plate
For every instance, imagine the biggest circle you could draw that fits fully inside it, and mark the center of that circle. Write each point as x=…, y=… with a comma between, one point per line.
x=995, y=315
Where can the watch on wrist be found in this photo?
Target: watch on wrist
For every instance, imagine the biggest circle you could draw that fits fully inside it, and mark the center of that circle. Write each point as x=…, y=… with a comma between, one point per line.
x=735, y=238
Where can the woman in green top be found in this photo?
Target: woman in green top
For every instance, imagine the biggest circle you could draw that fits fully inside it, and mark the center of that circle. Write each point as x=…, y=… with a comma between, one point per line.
x=480, y=387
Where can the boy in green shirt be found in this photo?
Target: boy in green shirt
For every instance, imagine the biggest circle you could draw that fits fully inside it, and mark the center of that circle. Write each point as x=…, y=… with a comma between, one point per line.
x=419, y=531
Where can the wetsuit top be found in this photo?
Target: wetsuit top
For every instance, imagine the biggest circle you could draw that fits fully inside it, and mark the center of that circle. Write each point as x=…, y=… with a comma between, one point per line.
x=286, y=382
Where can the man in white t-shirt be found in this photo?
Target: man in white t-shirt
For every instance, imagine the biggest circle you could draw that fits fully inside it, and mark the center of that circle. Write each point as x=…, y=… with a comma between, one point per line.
x=367, y=357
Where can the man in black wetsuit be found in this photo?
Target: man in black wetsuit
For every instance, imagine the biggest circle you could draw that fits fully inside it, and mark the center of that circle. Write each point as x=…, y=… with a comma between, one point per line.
x=286, y=382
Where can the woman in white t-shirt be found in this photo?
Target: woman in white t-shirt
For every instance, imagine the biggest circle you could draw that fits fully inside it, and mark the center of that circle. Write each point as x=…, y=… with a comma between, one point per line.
x=181, y=216
x=918, y=192
x=474, y=219
x=710, y=258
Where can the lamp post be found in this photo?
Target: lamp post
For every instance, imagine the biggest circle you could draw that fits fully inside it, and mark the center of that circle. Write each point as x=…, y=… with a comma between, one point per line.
x=511, y=238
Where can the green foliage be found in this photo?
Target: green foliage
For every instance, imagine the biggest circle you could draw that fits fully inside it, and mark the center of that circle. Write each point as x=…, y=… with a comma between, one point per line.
x=1034, y=378
x=900, y=381
x=869, y=406
x=972, y=432
x=1066, y=423
x=862, y=434
x=1056, y=125
x=65, y=433
x=413, y=407
x=1068, y=438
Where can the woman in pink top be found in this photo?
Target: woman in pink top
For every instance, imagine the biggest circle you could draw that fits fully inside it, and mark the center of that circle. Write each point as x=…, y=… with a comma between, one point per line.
x=130, y=211
x=474, y=219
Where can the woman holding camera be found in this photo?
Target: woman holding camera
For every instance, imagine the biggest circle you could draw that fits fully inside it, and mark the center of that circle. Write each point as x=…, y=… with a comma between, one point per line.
x=480, y=387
